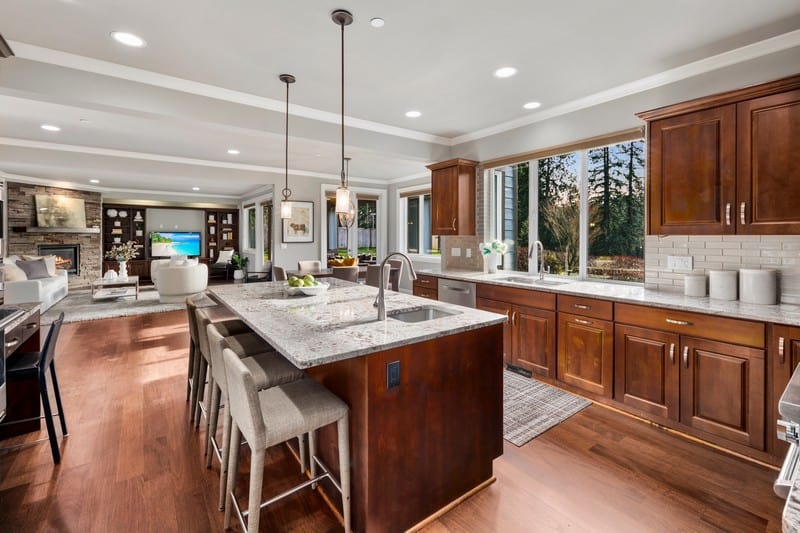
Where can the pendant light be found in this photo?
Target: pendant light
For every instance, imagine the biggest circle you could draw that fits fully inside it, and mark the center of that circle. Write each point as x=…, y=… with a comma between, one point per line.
x=348, y=218
x=286, y=204
x=342, y=18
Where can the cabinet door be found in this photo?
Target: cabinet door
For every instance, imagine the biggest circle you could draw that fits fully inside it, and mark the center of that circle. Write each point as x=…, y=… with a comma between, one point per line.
x=534, y=340
x=425, y=292
x=647, y=370
x=692, y=165
x=768, y=173
x=722, y=390
x=586, y=353
x=784, y=356
x=501, y=308
x=444, y=201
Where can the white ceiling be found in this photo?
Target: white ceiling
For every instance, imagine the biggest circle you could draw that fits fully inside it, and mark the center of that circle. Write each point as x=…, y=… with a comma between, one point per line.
x=162, y=117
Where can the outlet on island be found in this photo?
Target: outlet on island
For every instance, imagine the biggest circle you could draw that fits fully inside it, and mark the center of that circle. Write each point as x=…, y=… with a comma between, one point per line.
x=393, y=374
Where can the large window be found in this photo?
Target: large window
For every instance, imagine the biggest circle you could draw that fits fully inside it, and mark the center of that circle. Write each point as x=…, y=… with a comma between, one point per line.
x=354, y=237
x=586, y=207
x=416, y=214
x=266, y=214
x=250, y=213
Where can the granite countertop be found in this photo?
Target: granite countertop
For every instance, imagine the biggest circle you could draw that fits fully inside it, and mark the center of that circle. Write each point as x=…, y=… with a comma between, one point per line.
x=636, y=294
x=791, y=511
x=27, y=308
x=340, y=323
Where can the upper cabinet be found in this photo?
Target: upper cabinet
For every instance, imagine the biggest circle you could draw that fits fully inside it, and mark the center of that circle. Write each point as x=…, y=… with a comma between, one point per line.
x=726, y=164
x=453, y=197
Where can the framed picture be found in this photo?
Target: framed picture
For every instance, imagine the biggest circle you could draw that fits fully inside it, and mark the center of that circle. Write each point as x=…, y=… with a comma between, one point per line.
x=300, y=227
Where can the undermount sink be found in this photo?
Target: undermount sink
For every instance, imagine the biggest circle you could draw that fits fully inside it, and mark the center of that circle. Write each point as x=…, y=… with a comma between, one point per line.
x=530, y=280
x=420, y=314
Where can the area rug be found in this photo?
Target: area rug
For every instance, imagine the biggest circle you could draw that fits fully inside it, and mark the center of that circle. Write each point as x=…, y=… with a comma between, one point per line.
x=79, y=306
x=531, y=407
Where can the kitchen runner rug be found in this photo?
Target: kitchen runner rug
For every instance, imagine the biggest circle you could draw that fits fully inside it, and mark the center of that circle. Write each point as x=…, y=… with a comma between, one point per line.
x=531, y=407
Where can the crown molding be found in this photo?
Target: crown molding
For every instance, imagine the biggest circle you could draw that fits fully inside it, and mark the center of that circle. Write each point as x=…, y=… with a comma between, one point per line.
x=696, y=68
x=41, y=54
x=5, y=49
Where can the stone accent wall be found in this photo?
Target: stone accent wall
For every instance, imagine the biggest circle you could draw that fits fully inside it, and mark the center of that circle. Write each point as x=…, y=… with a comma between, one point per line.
x=465, y=242
x=22, y=214
x=724, y=252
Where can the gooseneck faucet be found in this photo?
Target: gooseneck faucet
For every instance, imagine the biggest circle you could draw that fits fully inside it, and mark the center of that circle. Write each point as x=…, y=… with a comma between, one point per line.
x=540, y=250
x=379, y=300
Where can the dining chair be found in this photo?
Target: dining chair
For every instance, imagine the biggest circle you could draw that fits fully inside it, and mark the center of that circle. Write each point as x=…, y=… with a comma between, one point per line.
x=346, y=273
x=310, y=266
x=278, y=273
x=396, y=273
x=373, y=275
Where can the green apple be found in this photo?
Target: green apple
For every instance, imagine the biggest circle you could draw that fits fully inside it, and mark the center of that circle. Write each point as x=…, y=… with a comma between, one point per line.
x=308, y=280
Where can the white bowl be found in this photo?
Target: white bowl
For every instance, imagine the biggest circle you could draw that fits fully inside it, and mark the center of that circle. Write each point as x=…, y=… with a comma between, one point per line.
x=319, y=288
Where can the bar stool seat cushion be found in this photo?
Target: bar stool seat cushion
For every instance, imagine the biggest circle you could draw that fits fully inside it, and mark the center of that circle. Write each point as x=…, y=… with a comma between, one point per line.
x=270, y=369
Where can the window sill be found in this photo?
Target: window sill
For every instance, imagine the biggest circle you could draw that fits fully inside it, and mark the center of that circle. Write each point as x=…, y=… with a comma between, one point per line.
x=425, y=258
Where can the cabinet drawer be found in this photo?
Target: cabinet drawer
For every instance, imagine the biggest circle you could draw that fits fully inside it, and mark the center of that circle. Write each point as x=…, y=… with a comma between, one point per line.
x=424, y=280
x=527, y=297
x=577, y=305
x=729, y=330
x=17, y=336
x=426, y=292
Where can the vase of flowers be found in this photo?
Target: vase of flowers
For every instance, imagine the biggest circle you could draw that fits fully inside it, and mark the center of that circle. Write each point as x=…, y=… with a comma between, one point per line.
x=490, y=252
x=122, y=253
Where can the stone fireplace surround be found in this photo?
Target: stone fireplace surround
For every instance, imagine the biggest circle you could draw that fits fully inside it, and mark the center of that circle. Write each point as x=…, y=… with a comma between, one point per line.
x=22, y=215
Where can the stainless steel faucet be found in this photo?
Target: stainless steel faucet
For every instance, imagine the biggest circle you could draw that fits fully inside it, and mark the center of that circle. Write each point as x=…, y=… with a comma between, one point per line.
x=538, y=245
x=379, y=300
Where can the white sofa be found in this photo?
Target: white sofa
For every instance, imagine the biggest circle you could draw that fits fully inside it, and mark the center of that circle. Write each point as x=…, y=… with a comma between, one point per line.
x=48, y=291
x=175, y=280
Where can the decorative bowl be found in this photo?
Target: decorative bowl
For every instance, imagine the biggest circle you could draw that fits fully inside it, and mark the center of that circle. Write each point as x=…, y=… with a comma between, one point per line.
x=319, y=288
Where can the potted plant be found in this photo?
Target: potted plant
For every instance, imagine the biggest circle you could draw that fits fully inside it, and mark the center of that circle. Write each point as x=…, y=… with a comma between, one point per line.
x=240, y=266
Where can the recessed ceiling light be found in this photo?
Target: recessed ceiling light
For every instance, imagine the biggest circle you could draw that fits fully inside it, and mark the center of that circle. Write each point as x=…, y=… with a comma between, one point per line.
x=128, y=39
x=94, y=181
x=85, y=121
x=234, y=151
x=532, y=105
x=195, y=188
x=50, y=127
x=413, y=114
x=377, y=22
x=505, y=72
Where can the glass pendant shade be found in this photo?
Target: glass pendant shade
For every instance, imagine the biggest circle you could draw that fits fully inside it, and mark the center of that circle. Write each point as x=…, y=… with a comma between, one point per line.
x=342, y=200
x=286, y=209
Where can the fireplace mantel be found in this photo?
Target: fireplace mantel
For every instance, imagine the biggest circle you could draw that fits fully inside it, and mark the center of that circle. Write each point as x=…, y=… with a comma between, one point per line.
x=32, y=229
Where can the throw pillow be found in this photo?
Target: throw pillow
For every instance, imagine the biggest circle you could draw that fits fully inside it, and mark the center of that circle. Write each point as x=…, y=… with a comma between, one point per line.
x=11, y=272
x=35, y=269
x=49, y=260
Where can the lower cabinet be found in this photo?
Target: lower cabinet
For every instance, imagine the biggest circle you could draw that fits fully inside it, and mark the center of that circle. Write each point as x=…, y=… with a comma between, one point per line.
x=586, y=353
x=501, y=308
x=426, y=286
x=784, y=356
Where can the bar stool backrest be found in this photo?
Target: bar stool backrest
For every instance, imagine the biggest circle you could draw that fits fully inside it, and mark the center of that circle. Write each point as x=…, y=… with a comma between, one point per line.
x=278, y=273
x=216, y=343
x=49, y=350
x=373, y=275
x=191, y=306
x=309, y=265
x=243, y=398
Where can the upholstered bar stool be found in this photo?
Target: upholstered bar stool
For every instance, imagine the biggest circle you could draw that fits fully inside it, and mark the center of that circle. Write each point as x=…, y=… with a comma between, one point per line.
x=278, y=273
x=198, y=353
x=268, y=369
x=272, y=416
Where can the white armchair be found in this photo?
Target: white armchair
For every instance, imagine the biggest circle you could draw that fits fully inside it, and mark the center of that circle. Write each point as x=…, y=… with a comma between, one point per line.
x=174, y=282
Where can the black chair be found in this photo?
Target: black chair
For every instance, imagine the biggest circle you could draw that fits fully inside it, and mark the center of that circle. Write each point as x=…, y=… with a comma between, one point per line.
x=27, y=365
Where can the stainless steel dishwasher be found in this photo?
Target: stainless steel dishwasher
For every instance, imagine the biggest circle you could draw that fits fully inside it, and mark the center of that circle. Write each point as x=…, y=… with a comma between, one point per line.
x=457, y=292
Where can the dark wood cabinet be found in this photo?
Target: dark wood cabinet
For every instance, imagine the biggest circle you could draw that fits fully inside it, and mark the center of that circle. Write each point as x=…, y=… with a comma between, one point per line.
x=426, y=286
x=586, y=353
x=222, y=232
x=726, y=163
x=453, y=197
x=123, y=223
x=783, y=348
x=501, y=308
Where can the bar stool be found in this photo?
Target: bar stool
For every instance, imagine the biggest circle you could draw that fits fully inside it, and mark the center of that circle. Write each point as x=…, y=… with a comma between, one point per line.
x=27, y=365
x=272, y=416
x=268, y=368
x=199, y=361
x=374, y=275
x=278, y=274
x=349, y=273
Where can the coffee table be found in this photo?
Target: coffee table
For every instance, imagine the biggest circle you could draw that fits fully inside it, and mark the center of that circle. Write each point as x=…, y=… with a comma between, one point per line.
x=103, y=289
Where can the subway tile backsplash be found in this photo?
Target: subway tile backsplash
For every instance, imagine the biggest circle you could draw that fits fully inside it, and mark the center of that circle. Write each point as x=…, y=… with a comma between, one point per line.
x=724, y=252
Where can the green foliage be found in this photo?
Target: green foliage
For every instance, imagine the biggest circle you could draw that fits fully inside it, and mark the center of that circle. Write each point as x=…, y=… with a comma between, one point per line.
x=157, y=237
x=240, y=262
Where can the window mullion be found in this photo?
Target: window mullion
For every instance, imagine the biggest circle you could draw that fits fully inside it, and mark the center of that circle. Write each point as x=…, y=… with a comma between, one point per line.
x=533, y=214
x=421, y=231
x=583, y=235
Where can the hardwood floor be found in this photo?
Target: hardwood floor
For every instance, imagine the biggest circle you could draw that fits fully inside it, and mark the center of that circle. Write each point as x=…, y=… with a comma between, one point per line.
x=133, y=463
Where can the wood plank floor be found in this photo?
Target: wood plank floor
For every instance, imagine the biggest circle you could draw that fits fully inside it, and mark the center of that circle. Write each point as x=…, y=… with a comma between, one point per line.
x=133, y=463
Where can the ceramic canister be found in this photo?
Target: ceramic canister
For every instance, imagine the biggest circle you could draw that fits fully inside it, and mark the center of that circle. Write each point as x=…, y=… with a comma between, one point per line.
x=694, y=285
x=758, y=286
x=722, y=284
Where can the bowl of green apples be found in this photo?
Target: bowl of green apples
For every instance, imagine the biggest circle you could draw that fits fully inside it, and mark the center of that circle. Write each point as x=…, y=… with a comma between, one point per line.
x=306, y=285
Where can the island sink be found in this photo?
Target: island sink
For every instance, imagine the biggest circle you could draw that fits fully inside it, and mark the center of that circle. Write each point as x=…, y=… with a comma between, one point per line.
x=421, y=314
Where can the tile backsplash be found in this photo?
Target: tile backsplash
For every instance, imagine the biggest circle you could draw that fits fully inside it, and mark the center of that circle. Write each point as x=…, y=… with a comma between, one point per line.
x=724, y=252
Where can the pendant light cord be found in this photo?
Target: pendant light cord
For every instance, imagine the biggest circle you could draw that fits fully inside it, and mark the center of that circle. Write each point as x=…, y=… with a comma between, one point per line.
x=344, y=178
x=286, y=191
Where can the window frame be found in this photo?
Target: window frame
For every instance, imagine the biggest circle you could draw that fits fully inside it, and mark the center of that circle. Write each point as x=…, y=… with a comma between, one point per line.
x=326, y=189
x=401, y=201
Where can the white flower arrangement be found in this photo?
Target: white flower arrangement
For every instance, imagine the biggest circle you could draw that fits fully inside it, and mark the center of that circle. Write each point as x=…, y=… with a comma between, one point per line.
x=494, y=247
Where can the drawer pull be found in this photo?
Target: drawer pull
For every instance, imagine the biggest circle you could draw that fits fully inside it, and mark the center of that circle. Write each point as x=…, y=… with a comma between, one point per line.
x=582, y=306
x=454, y=224
x=678, y=322
x=782, y=349
x=423, y=280
x=12, y=343
x=33, y=325
x=584, y=322
x=728, y=214
x=672, y=353
x=455, y=289
x=741, y=213
x=686, y=357
x=514, y=318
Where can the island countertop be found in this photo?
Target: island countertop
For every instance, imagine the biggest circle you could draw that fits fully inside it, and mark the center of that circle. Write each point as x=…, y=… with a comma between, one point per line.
x=340, y=323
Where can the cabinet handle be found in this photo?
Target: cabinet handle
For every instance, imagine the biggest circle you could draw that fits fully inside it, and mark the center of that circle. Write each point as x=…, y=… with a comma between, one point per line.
x=582, y=306
x=728, y=213
x=741, y=213
x=454, y=224
x=584, y=322
x=672, y=353
x=782, y=349
x=425, y=281
x=514, y=318
x=686, y=357
x=678, y=322
x=12, y=343
x=33, y=325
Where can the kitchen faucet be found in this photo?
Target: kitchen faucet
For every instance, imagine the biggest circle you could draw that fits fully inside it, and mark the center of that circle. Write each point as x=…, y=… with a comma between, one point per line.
x=540, y=246
x=379, y=300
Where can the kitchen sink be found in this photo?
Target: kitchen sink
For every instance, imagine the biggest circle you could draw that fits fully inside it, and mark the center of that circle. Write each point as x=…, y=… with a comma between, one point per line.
x=530, y=280
x=421, y=314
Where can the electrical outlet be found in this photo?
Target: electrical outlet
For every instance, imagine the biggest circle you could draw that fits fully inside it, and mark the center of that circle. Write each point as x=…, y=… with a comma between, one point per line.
x=393, y=374
x=469, y=252
x=680, y=262
x=455, y=252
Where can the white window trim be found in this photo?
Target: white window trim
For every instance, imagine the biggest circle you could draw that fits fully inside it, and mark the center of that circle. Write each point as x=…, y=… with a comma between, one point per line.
x=257, y=259
x=402, y=217
x=382, y=220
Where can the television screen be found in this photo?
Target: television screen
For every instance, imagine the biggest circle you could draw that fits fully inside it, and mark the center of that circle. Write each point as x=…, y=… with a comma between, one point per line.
x=167, y=244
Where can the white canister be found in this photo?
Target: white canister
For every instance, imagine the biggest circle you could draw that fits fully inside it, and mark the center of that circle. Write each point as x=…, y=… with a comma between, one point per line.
x=758, y=286
x=694, y=285
x=722, y=284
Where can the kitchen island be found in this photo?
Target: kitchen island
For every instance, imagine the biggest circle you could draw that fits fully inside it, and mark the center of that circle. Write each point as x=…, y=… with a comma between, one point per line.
x=425, y=441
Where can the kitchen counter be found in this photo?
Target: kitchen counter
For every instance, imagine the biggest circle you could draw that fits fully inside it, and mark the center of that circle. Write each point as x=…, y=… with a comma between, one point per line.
x=340, y=323
x=636, y=294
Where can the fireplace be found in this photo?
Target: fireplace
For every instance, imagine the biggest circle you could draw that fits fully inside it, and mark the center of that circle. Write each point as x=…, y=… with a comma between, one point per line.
x=68, y=256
